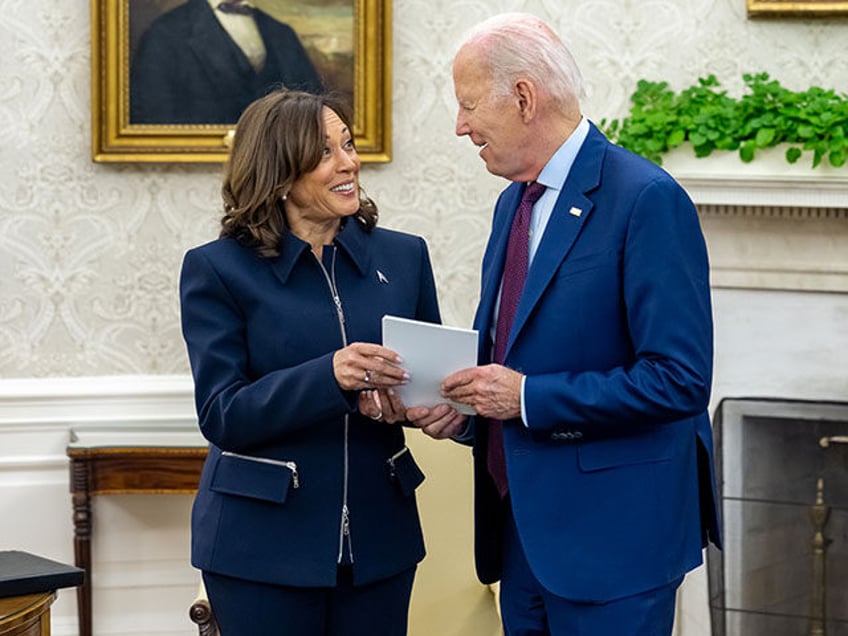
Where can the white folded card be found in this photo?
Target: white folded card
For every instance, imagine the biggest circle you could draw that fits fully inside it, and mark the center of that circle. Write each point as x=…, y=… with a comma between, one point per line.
x=430, y=353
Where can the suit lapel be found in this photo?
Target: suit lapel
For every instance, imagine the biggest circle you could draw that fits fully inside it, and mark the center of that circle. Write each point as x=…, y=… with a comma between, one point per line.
x=571, y=211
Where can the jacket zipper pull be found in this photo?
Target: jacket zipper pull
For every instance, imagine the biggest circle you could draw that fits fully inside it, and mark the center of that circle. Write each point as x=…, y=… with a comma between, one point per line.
x=391, y=461
x=345, y=521
x=339, y=309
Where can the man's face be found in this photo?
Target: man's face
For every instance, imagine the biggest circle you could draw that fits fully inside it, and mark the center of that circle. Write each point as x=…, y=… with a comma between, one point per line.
x=492, y=122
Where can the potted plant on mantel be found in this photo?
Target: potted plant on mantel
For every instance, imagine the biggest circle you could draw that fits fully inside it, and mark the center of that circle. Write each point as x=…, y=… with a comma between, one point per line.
x=662, y=123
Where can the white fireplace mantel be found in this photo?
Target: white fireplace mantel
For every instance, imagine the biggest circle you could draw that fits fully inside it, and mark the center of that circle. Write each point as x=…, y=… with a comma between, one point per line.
x=723, y=178
x=769, y=224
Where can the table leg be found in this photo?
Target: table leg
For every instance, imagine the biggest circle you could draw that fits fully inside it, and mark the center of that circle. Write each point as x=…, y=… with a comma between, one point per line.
x=82, y=540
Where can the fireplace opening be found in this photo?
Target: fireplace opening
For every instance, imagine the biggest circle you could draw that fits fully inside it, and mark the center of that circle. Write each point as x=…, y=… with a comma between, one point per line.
x=782, y=473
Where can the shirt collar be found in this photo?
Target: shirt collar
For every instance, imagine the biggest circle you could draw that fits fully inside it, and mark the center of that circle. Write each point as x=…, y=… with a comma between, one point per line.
x=556, y=171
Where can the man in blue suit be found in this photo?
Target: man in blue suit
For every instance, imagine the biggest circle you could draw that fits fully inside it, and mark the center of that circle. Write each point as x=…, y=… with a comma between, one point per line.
x=604, y=378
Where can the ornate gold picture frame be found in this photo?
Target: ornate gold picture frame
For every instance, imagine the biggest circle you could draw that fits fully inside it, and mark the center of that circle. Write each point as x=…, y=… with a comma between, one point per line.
x=757, y=8
x=358, y=61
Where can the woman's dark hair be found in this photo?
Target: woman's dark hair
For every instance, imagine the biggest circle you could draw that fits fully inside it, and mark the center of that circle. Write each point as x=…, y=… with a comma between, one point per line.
x=278, y=139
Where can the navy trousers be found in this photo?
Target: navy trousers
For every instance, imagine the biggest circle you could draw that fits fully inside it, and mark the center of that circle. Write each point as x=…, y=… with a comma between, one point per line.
x=247, y=608
x=528, y=609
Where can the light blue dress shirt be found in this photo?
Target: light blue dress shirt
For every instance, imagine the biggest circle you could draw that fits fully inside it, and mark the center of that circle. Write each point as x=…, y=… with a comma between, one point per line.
x=553, y=177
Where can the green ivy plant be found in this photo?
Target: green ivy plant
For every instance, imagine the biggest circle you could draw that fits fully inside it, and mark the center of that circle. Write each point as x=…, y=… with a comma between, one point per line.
x=707, y=117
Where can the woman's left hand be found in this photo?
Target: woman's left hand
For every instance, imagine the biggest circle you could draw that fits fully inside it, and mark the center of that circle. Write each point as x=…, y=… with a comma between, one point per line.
x=440, y=422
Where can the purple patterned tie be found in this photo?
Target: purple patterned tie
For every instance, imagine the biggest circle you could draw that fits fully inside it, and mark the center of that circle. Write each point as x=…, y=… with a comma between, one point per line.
x=515, y=271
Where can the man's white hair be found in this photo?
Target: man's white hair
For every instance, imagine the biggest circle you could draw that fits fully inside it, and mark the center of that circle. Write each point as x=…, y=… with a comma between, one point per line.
x=520, y=45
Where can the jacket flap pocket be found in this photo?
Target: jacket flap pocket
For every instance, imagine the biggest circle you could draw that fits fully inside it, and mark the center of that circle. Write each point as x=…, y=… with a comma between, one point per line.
x=252, y=477
x=626, y=451
x=405, y=472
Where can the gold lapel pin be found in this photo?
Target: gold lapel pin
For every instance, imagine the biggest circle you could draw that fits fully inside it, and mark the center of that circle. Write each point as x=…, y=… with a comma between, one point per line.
x=574, y=211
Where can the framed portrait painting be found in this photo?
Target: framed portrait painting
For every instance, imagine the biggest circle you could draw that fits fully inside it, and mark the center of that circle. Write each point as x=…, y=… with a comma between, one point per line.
x=170, y=78
x=761, y=8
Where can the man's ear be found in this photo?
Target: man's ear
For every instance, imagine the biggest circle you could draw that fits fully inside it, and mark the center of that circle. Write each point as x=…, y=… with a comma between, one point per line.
x=525, y=94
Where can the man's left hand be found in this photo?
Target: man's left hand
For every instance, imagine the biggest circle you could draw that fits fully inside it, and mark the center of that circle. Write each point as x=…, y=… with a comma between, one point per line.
x=492, y=391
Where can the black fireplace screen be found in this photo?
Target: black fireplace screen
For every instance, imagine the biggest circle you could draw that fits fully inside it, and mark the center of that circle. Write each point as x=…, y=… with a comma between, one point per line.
x=782, y=469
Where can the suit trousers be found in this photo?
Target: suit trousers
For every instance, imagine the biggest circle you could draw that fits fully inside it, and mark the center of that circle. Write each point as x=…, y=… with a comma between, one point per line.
x=528, y=609
x=248, y=608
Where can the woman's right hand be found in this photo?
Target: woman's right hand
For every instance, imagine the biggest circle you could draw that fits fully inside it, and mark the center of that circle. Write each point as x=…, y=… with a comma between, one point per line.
x=364, y=365
x=382, y=405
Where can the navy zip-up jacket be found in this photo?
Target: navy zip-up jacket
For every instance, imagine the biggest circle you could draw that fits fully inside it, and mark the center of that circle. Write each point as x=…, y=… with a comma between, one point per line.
x=289, y=451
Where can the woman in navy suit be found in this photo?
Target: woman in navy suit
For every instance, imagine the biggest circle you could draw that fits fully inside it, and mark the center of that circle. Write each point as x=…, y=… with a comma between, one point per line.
x=305, y=520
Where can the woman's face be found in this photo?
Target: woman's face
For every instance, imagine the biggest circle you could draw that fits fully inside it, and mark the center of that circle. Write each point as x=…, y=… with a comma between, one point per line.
x=331, y=190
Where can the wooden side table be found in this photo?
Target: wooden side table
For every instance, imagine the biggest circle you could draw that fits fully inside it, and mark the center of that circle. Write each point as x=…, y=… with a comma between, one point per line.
x=26, y=615
x=125, y=461
x=28, y=585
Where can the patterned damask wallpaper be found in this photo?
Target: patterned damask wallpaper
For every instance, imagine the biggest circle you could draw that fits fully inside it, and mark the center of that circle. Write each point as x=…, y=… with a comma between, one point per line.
x=90, y=253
